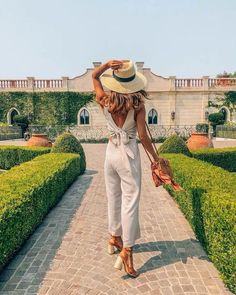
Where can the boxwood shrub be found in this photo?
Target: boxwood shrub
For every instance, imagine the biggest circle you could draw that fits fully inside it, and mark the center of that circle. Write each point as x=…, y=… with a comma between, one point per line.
x=209, y=203
x=27, y=192
x=68, y=143
x=15, y=155
x=222, y=157
x=174, y=144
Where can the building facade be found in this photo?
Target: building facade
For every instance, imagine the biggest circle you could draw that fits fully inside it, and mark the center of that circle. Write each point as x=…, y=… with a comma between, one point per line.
x=176, y=104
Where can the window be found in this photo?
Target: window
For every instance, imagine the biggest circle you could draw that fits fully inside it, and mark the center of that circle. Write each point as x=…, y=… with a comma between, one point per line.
x=152, y=117
x=84, y=117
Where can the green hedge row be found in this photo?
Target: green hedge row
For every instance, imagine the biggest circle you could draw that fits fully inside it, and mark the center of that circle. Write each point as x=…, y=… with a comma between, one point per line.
x=9, y=136
x=15, y=155
x=209, y=204
x=222, y=157
x=27, y=192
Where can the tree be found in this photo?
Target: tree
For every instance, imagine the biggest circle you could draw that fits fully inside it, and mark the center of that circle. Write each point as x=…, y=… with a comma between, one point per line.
x=229, y=101
x=226, y=75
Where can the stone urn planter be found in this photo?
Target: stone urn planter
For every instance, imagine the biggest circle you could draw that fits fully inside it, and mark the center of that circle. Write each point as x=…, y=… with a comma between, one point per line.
x=39, y=140
x=199, y=140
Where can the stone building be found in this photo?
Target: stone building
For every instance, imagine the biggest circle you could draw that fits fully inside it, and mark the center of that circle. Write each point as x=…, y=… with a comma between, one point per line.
x=177, y=104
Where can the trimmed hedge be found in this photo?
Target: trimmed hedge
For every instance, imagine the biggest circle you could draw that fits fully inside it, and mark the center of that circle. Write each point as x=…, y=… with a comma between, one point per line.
x=174, y=144
x=27, y=192
x=15, y=155
x=209, y=204
x=9, y=132
x=222, y=157
x=68, y=143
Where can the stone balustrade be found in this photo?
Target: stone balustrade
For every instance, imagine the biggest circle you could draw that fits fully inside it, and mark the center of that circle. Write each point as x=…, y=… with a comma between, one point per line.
x=182, y=83
x=65, y=83
x=198, y=83
x=30, y=83
x=222, y=82
x=13, y=83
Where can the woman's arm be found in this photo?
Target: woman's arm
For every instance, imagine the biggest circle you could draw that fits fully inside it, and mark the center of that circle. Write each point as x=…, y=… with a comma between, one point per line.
x=142, y=132
x=100, y=94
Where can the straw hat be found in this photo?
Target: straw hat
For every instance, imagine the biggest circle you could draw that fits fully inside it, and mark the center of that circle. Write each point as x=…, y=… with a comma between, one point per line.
x=124, y=80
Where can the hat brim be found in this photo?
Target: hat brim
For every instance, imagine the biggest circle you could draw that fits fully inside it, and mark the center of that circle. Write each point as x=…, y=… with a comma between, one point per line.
x=138, y=83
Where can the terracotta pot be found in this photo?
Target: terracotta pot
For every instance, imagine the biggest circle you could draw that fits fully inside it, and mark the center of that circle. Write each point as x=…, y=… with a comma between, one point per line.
x=199, y=140
x=39, y=140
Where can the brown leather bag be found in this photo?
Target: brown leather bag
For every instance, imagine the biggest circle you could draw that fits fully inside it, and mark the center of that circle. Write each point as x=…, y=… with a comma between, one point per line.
x=161, y=170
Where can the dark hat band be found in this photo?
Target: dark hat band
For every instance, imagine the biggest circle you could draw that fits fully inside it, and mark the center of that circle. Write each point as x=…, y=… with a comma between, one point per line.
x=128, y=79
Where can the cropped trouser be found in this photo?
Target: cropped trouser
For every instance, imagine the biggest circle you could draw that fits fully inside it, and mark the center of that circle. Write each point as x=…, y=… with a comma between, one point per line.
x=123, y=187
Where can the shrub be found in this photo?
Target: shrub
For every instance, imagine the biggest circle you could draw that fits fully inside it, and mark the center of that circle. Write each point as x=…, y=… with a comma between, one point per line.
x=15, y=155
x=4, y=124
x=209, y=203
x=68, y=143
x=216, y=119
x=222, y=157
x=10, y=132
x=226, y=131
x=27, y=192
x=202, y=127
x=21, y=119
x=174, y=144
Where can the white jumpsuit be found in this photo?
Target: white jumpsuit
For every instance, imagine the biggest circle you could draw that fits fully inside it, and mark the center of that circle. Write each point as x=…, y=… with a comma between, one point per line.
x=122, y=171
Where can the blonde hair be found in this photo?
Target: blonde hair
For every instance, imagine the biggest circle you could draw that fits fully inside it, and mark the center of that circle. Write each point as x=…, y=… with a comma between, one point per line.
x=121, y=103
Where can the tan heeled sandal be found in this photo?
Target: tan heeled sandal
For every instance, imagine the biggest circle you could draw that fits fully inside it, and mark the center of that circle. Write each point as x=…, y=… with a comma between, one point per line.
x=126, y=258
x=115, y=242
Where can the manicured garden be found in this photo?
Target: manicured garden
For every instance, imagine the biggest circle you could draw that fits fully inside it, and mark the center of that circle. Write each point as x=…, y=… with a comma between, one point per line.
x=208, y=200
x=35, y=180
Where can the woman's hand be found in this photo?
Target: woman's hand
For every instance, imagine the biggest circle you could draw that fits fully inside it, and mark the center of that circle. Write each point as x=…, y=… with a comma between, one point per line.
x=97, y=72
x=115, y=64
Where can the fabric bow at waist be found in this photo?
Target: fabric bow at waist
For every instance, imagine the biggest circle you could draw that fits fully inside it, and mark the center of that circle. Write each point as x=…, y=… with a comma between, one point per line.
x=121, y=139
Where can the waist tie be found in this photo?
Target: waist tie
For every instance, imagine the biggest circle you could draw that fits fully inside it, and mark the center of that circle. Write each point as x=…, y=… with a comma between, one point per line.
x=121, y=139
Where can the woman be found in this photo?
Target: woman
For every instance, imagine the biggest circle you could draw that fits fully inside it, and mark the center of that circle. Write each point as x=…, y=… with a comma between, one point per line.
x=125, y=113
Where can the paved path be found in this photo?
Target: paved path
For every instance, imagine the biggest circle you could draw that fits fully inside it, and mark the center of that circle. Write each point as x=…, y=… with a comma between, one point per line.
x=67, y=254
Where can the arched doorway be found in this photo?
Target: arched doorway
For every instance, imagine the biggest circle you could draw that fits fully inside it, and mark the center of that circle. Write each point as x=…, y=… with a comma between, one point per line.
x=225, y=111
x=11, y=114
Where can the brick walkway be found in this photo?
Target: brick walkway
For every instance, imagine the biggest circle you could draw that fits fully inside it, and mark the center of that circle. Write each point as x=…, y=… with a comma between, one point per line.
x=67, y=254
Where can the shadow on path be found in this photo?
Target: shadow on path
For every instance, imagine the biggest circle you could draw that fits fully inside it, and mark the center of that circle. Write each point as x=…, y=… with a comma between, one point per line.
x=169, y=252
x=28, y=267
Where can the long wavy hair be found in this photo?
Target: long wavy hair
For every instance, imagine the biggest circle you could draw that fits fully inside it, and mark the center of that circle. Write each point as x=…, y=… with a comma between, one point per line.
x=121, y=103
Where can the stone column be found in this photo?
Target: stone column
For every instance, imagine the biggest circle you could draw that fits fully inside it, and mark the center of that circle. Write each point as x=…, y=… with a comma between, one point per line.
x=205, y=82
x=172, y=82
x=172, y=99
x=205, y=97
x=31, y=83
x=139, y=65
x=65, y=83
x=96, y=64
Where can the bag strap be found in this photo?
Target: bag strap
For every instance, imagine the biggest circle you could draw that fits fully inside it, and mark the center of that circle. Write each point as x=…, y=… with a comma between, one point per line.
x=154, y=146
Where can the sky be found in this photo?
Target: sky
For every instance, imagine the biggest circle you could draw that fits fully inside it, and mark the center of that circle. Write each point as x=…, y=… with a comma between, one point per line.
x=55, y=38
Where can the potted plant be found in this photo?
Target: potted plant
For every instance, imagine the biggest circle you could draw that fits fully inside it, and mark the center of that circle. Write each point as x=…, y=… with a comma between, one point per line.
x=199, y=138
x=39, y=139
x=38, y=136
